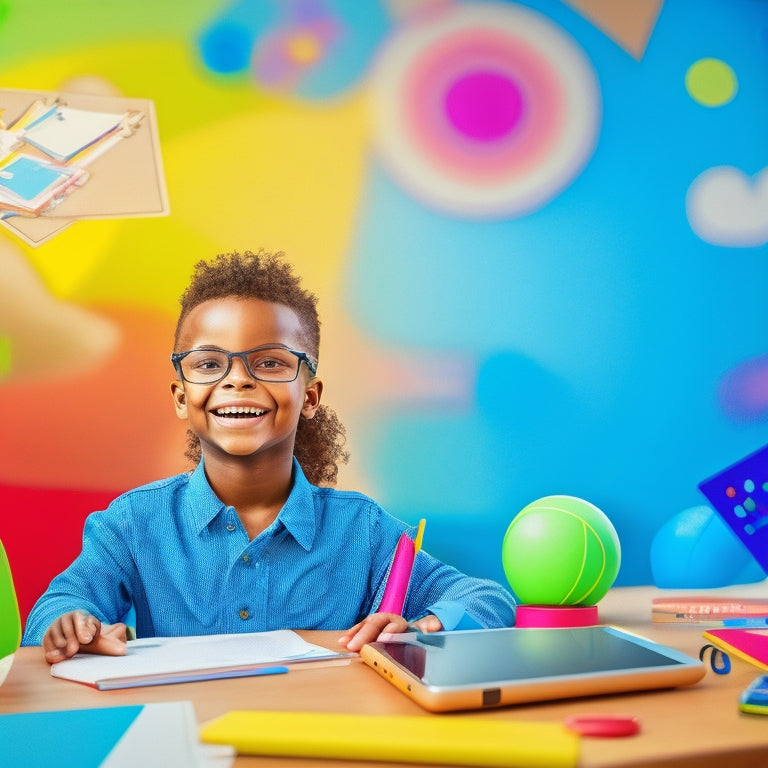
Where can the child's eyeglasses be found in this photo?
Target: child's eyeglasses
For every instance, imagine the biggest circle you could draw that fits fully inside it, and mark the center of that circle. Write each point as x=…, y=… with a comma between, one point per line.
x=277, y=364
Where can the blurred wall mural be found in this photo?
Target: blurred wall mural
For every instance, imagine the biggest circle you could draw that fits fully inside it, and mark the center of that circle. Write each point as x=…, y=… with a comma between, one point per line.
x=538, y=232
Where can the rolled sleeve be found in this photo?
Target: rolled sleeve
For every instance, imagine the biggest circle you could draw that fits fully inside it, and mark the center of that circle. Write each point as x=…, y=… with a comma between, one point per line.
x=96, y=581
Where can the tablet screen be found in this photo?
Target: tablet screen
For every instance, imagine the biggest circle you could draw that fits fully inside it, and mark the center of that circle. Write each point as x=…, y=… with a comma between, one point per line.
x=515, y=664
x=482, y=657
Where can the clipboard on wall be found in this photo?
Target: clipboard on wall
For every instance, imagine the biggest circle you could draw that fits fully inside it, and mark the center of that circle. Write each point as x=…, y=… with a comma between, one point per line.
x=126, y=181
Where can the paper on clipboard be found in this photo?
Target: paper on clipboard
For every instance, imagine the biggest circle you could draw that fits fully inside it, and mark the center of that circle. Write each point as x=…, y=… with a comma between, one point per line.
x=65, y=131
x=126, y=180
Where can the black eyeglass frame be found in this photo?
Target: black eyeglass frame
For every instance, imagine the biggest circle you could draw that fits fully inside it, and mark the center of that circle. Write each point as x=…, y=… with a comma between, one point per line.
x=177, y=357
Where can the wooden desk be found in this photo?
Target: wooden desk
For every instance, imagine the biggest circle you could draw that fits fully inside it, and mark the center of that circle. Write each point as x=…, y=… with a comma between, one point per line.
x=695, y=726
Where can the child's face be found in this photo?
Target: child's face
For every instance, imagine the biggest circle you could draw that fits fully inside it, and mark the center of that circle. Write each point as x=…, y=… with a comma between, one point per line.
x=236, y=325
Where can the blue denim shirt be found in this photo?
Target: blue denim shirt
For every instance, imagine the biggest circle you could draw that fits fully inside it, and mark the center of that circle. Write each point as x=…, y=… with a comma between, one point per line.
x=182, y=559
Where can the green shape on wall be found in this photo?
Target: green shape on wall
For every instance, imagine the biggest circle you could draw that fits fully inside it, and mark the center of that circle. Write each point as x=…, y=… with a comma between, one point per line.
x=5, y=356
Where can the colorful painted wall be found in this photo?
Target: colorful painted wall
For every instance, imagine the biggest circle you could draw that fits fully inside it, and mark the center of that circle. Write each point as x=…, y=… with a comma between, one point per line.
x=537, y=231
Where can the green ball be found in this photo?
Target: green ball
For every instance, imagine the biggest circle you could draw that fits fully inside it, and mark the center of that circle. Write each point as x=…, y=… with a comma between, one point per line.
x=560, y=550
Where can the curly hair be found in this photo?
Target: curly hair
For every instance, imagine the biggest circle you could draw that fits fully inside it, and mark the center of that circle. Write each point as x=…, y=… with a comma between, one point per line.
x=319, y=446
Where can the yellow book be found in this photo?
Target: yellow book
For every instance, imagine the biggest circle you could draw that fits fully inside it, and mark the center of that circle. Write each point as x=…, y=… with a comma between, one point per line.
x=444, y=739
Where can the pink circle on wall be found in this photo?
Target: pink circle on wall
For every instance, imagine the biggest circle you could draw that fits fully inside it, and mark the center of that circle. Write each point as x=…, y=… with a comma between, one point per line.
x=484, y=110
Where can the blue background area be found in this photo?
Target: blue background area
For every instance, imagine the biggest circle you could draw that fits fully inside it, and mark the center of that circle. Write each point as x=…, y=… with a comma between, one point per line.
x=602, y=324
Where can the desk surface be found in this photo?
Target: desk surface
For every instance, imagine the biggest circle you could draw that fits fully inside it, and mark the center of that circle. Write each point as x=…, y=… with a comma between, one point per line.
x=693, y=726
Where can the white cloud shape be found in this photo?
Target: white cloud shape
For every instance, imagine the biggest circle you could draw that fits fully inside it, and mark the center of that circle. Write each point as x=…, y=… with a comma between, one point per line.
x=727, y=207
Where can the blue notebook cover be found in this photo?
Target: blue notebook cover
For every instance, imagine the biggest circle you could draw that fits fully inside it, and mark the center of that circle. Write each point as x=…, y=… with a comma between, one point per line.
x=81, y=737
x=156, y=735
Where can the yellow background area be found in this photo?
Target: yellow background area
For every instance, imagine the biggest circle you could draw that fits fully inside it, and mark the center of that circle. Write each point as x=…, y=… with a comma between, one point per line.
x=225, y=181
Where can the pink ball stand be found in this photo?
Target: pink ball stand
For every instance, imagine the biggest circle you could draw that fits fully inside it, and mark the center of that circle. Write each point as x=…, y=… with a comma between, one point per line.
x=545, y=616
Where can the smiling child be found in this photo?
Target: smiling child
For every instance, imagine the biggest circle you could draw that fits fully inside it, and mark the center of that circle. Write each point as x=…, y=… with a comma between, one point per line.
x=254, y=538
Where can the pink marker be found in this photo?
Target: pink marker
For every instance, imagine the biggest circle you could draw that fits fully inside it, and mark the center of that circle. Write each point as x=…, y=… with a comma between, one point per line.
x=399, y=576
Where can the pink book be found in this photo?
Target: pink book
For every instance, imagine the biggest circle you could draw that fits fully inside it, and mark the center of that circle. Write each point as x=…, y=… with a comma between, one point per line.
x=749, y=644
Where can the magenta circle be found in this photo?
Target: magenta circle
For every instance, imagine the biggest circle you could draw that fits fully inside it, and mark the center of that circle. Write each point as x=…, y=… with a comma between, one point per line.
x=430, y=77
x=484, y=106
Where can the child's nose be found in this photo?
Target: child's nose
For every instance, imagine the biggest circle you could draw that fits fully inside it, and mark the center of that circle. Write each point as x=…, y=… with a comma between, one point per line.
x=239, y=372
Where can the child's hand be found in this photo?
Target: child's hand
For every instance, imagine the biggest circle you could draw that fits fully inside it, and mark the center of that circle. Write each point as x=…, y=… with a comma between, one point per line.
x=79, y=631
x=377, y=624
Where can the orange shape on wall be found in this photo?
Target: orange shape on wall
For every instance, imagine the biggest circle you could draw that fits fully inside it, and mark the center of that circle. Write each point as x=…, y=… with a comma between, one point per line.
x=630, y=25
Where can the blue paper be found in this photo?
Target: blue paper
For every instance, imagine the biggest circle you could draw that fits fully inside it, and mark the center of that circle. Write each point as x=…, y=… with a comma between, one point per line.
x=76, y=737
x=29, y=177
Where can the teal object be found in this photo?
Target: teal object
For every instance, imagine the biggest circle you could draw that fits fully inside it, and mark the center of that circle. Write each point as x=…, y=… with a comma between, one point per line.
x=10, y=618
x=561, y=550
x=80, y=737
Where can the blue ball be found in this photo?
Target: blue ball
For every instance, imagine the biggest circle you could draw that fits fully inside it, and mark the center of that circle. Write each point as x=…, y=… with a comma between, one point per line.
x=696, y=550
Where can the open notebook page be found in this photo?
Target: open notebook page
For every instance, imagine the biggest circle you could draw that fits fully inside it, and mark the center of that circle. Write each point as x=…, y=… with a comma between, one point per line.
x=168, y=655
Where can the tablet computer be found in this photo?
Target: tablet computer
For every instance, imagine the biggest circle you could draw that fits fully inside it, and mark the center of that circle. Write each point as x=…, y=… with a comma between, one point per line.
x=476, y=669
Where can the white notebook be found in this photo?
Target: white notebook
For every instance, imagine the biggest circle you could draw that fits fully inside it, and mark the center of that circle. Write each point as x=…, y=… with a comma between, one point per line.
x=160, y=660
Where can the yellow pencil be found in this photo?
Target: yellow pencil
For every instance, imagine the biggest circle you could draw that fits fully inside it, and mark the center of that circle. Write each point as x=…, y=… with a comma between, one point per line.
x=419, y=535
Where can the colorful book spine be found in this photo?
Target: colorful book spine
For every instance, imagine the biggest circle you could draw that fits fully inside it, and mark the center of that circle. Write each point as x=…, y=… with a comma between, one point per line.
x=707, y=610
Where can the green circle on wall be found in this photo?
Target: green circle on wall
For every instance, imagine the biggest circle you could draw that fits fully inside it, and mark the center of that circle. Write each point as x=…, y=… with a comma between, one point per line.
x=711, y=82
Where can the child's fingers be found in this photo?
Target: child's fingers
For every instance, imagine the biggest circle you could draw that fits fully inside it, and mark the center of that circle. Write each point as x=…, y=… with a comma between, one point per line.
x=54, y=636
x=111, y=641
x=361, y=637
x=370, y=629
x=79, y=629
x=350, y=633
x=429, y=623
x=65, y=636
x=85, y=626
x=54, y=655
x=54, y=644
x=394, y=627
x=116, y=631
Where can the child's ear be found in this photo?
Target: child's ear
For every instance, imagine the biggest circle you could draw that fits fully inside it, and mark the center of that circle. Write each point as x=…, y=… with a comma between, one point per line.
x=312, y=396
x=179, y=399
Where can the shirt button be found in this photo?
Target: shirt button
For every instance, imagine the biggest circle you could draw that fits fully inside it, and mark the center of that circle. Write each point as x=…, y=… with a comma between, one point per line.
x=243, y=613
x=246, y=558
x=230, y=527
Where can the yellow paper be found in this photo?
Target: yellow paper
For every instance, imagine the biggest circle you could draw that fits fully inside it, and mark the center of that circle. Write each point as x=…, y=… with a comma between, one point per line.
x=451, y=740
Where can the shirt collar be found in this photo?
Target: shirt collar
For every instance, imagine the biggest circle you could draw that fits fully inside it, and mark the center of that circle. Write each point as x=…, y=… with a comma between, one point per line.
x=297, y=514
x=204, y=504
